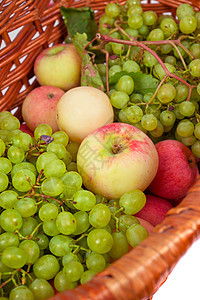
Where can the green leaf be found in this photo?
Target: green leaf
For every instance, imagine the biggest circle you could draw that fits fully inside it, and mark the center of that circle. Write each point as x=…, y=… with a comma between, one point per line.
x=79, y=20
x=144, y=83
x=90, y=75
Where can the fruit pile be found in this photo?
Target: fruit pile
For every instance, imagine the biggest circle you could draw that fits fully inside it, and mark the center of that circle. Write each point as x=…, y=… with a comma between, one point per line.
x=101, y=158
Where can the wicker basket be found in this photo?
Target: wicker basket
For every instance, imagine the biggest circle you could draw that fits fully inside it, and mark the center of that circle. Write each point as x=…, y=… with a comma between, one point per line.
x=138, y=274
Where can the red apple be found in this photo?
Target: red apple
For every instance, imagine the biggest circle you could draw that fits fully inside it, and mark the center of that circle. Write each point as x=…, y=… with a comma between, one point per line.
x=59, y=65
x=24, y=128
x=39, y=107
x=149, y=227
x=177, y=170
x=154, y=210
x=115, y=159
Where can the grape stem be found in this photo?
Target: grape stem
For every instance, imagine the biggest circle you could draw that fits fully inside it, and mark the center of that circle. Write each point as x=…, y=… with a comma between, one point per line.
x=107, y=39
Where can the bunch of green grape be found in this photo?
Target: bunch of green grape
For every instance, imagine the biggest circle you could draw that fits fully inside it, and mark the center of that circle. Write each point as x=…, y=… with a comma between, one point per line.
x=54, y=232
x=171, y=111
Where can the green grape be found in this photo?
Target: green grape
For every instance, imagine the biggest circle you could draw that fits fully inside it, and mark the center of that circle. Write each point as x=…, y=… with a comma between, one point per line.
x=196, y=132
x=156, y=35
x=130, y=3
x=182, y=52
x=57, y=148
x=131, y=32
x=50, y=228
x=170, y=60
x=66, y=222
x=187, y=108
x=72, y=179
x=23, y=180
x=135, y=234
x=61, y=283
x=21, y=166
x=183, y=10
x=135, y=21
x=195, y=50
x=181, y=92
x=132, y=201
x=166, y=49
x=112, y=10
x=104, y=19
x=73, y=270
x=11, y=134
x=126, y=221
x=119, y=99
x=197, y=16
x=196, y=149
x=189, y=141
x=46, y=267
x=2, y=147
x=99, y=240
x=8, y=239
x=21, y=292
x=135, y=9
x=5, y=165
x=130, y=66
x=95, y=262
x=178, y=115
x=14, y=257
x=82, y=221
x=23, y=140
x=69, y=257
x=15, y=154
x=31, y=249
x=134, y=114
x=159, y=71
x=72, y=166
x=42, y=129
x=120, y=245
x=153, y=109
x=188, y=24
x=67, y=158
x=41, y=289
x=158, y=131
x=122, y=115
x=59, y=245
x=149, y=17
x=125, y=84
x=147, y=97
x=73, y=149
x=114, y=60
x=52, y=186
x=149, y=60
x=43, y=159
x=4, y=269
x=26, y=207
x=118, y=48
x=169, y=27
x=143, y=31
x=48, y=212
x=185, y=128
x=56, y=168
x=42, y=240
x=4, y=114
x=10, y=123
x=28, y=225
x=86, y=276
x=194, y=67
x=149, y=122
x=99, y=215
x=84, y=200
x=135, y=53
x=61, y=137
x=167, y=118
x=101, y=69
x=8, y=199
x=136, y=98
x=11, y=220
x=166, y=93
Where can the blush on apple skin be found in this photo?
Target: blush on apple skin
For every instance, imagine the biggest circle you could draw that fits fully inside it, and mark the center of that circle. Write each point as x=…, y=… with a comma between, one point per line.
x=149, y=227
x=154, y=210
x=177, y=170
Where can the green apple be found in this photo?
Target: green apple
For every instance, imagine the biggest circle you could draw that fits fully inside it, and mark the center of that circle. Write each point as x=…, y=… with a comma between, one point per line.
x=59, y=66
x=116, y=159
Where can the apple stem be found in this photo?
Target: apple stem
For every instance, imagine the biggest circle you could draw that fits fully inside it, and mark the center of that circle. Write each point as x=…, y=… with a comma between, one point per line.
x=116, y=149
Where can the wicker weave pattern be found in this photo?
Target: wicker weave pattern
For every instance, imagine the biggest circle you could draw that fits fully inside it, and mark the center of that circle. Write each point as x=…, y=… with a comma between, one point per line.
x=140, y=272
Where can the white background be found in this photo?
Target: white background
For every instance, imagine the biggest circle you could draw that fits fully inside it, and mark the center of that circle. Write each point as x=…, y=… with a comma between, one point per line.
x=184, y=281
